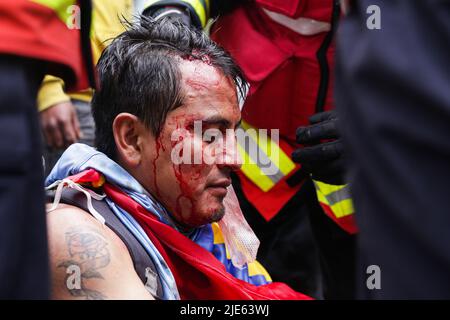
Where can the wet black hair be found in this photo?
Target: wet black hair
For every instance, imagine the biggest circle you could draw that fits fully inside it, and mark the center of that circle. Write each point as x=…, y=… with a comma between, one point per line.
x=139, y=74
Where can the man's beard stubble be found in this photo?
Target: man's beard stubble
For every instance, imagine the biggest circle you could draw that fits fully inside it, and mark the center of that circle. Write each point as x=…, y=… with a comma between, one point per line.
x=218, y=214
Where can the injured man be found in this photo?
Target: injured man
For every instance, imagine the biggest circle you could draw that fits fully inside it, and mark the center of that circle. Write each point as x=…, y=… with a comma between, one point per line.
x=150, y=213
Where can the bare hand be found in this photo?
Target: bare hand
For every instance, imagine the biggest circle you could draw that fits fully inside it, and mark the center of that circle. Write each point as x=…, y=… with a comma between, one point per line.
x=60, y=125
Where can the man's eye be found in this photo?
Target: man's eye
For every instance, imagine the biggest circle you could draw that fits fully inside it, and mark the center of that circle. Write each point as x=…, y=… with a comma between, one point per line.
x=212, y=135
x=209, y=137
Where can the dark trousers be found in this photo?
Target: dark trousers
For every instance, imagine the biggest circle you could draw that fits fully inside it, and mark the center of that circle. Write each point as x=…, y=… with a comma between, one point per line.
x=393, y=95
x=23, y=240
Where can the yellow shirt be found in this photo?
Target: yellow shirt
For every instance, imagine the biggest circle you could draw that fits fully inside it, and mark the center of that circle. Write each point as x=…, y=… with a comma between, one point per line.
x=106, y=25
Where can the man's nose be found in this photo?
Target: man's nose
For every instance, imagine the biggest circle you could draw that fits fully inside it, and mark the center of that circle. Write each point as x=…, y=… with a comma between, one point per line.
x=231, y=156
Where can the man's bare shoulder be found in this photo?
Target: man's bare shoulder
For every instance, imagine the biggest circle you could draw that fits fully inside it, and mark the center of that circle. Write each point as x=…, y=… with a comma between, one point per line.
x=88, y=260
x=67, y=218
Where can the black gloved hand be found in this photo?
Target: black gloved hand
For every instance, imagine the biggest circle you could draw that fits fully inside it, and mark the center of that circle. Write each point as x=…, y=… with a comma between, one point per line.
x=172, y=12
x=323, y=160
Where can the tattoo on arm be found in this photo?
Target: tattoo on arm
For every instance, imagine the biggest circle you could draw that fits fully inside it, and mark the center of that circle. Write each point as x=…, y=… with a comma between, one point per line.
x=88, y=253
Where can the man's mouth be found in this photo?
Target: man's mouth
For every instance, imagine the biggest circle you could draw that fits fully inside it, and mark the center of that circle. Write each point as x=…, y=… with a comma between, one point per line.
x=219, y=187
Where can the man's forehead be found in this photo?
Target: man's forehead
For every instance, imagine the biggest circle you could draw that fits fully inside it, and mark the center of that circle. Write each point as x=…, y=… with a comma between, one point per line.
x=208, y=95
x=211, y=115
x=199, y=75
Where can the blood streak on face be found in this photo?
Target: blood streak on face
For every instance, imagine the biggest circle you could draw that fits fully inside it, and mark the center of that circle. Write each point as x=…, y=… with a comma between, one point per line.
x=158, y=147
x=193, y=191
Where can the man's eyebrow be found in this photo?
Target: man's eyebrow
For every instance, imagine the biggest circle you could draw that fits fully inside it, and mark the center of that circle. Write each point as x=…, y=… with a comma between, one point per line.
x=218, y=120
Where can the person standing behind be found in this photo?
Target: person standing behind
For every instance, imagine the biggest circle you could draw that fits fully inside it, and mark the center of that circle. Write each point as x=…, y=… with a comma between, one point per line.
x=392, y=81
x=35, y=39
x=66, y=118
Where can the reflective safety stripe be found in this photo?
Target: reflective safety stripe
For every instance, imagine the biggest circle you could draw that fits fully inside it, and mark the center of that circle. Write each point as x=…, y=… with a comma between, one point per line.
x=253, y=172
x=201, y=7
x=338, y=198
x=259, y=157
x=338, y=195
x=61, y=7
x=264, y=162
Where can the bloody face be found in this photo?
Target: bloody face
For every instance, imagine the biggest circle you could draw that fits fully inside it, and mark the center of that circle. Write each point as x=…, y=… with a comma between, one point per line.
x=193, y=190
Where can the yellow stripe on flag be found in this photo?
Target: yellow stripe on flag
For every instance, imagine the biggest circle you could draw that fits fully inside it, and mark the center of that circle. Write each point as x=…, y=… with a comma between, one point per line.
x=218, y=237
x=255, y=269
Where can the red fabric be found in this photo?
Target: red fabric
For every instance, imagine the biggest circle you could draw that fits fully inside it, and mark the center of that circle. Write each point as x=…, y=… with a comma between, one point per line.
x=88, y=176
x=281, y=66
x=32, y=30
x=284, y=75
x=347, y=223
x=290, y=8
x=198, y=274
x=268, y=203
x=314, y=9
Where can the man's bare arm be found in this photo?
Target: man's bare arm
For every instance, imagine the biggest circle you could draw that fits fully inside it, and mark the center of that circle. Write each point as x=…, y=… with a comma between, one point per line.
x=88, y=254
x=88, y=260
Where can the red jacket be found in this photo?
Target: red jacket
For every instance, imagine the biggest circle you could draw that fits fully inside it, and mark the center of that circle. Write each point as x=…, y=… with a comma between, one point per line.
x=33, y=30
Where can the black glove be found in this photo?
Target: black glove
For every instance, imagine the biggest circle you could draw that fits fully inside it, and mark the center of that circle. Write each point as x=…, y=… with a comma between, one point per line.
x=172, y=12
x=323, y=160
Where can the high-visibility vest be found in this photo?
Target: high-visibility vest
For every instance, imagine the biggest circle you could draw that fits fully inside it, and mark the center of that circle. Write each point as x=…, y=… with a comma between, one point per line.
x=337, y=203
x=266, y=165
x=44, y=30
x=264, y=162
x=285, y=84
x=266, y=171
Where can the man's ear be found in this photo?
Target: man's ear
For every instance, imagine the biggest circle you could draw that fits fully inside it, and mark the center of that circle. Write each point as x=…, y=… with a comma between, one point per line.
x=128, y=131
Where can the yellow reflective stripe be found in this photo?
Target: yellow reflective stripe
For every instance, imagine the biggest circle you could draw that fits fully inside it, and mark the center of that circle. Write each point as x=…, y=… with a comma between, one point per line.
x=329, y=188
x=265, y=146
x=283, y=161
x=272, y=150
x=343, y=208
x=258, y=156
x=197, y=5
x=333, y=193
x=321, y=197
x=255, y=269
x=59, y=6
x=337, y=197
x=218, y=237
x=253, y=172
x=326, y=188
